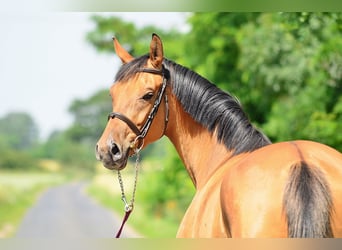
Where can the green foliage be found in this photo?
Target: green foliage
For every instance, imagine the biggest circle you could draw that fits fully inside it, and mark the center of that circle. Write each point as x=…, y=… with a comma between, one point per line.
x=74, y=147
x=133, y=39
x=305, y=105
x=286, y=68
x=18, y=134
x=15, y=160
x=211, y=46
x=101, y=37
x=18, y=131
x=284, y=59
x=167, y=188
x=71, y=154
x=89, y=117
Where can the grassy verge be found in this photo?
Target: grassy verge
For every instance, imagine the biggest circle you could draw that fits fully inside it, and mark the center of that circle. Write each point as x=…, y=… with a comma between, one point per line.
x=18, y=192
x=105, y=189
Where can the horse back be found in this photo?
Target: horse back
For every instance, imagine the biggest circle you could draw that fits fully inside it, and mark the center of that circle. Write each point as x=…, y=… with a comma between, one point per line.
x=261, y=193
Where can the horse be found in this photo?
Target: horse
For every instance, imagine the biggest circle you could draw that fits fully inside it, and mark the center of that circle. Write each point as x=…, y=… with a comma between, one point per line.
x=245, y=185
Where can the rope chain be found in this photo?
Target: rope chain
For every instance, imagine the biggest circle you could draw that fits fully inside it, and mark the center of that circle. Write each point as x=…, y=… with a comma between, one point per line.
x=129, y=206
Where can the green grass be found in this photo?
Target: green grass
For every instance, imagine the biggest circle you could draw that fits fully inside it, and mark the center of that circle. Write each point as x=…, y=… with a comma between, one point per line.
x=18, y=192
x=105, y=189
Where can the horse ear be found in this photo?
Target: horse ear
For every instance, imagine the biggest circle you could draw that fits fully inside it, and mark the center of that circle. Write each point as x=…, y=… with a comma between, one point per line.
x=121, y=52
x=156, y=51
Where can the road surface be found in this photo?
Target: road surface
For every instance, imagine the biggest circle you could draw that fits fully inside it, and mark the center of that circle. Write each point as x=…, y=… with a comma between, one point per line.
x=66, y=211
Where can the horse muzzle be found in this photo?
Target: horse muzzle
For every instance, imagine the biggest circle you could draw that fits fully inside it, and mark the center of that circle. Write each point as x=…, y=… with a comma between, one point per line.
x=112, y=156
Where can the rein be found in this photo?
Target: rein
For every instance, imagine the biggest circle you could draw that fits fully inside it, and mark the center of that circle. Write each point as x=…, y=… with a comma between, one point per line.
x=141, y=134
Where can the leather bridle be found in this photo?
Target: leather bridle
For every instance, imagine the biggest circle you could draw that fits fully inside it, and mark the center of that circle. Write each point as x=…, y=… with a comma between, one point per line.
x=141, y=133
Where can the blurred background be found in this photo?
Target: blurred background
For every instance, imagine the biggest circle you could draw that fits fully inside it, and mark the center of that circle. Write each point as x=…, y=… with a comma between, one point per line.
x=56, y=70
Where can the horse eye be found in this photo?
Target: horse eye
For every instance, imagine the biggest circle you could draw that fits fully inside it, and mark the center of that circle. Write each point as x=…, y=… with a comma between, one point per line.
x=148, y=96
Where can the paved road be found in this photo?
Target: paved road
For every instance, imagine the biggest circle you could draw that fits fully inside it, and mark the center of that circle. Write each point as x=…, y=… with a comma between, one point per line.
x=66, y=211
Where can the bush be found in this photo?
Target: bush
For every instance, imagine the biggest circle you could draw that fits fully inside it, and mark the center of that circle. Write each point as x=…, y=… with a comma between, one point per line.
x=167, y=190
x=15, y=160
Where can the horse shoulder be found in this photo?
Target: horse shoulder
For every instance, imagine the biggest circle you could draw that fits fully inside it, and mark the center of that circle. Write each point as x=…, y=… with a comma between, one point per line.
x=203, y=217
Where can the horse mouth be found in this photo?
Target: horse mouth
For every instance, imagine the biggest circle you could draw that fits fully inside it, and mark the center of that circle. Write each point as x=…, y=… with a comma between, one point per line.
x=112, y=164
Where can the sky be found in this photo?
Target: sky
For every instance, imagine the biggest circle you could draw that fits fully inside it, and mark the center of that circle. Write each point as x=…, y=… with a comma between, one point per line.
x=46, y=63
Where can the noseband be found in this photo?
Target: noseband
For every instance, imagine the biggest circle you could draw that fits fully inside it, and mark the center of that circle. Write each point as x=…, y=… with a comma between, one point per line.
x=141, y=133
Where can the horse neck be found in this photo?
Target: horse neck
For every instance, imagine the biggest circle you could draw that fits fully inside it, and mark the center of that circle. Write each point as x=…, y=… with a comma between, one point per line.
x=199, y=150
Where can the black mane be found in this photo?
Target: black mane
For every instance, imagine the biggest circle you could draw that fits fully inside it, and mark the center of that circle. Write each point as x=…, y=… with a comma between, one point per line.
x=216, y=110
x=128, y=70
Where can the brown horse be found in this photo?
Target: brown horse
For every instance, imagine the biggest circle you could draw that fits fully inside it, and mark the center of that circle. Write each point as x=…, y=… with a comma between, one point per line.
x=245, y=186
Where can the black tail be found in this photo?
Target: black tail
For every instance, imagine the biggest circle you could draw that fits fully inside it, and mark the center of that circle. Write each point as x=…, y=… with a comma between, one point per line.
x=307, y=203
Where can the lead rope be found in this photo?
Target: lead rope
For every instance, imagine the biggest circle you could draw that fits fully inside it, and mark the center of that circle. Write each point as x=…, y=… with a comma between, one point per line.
x=128, y=206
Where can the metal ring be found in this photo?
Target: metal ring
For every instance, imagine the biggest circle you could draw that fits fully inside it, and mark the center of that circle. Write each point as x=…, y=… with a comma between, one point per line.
x=128, y=207
x=133, y=144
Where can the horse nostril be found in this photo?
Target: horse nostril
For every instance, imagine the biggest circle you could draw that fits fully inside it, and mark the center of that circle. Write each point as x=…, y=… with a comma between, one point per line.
x=115, y=150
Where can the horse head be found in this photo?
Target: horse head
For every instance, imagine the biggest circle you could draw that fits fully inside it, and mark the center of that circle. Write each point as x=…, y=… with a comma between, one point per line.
x=139, y=114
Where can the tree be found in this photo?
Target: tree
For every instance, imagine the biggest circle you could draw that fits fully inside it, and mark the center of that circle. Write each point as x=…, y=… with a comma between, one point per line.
x=18, y=135
x=132, y=38
x=89, y=117
x=296, y=63
x=18, y=131
x=74, y=146
x=284, y=67
x=168, y=187
x=211, y=46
